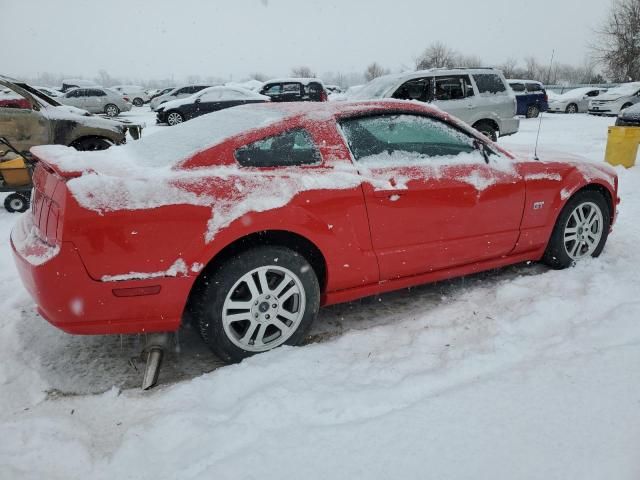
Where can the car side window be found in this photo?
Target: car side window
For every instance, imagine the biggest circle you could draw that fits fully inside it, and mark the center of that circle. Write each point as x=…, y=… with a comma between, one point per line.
x=210, y=96
x=292, y=148
x=274, y=89
x=489, y=83
x=398, y=138
x=76, y=93
x=96, y=93
x=452, y=87
x=517, y=87
x=593, y=93
x=415, y=89
x=534, y=87
x=291, y=89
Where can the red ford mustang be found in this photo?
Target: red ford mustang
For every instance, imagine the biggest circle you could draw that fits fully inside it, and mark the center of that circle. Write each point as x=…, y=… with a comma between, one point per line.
x=251, y=218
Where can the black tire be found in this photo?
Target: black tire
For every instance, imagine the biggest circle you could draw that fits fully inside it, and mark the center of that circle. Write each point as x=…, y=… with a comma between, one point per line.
x=556, y=255
x=91, y=144
x=138, y=102
x=16, y=202
x=218, y=287
x=487, y=130
x=532, y=111
x=111, y=110
x=572, y=108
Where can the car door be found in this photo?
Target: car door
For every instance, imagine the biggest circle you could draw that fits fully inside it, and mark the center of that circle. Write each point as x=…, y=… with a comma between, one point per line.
x=291, y=92
x=434, y=200
x=583, y=103
x=206, y=103
x=454, y=94
x=75, y=98
x=95, y=100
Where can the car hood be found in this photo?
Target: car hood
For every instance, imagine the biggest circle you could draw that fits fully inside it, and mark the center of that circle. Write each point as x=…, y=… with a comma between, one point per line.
x=82, y=117
x=611, y=96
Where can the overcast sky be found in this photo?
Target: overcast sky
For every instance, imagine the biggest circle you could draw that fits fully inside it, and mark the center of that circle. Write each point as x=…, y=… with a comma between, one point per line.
x=231, y=39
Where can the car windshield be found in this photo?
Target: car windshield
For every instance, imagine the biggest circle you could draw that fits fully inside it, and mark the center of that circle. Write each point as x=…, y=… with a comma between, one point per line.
x=375, y=88
x=576, y=92
x=625, y=89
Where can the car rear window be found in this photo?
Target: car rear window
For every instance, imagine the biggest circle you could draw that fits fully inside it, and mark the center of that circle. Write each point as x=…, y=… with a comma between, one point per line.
x=517, y=87
x=489, y=83
x=534, y=87
x=292, y=148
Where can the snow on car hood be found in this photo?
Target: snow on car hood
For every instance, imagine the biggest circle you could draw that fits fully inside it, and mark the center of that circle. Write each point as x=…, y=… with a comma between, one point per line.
x=67, y=112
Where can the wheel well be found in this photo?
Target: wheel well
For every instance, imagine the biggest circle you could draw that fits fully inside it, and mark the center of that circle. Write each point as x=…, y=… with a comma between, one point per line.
x=283, y=238
x=594, y=187
x=487, y=121
x=77, y=141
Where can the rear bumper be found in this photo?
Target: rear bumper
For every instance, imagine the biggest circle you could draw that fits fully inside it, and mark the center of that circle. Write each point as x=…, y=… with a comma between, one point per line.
x=68, y=298
x=509, y=126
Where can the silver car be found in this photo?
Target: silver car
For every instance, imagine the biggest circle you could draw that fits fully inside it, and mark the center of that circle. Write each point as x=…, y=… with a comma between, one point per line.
x=478, y=96
x=176, y=93
x=96, y=100
x=616, y=99
x=574, y=101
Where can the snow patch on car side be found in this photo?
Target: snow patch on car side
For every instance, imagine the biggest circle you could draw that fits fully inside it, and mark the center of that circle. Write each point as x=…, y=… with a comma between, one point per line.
x=179, y=267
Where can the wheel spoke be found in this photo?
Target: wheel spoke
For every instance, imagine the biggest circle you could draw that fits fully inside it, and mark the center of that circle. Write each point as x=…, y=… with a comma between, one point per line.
x=591, y=216
x=280, y=325
x=260, y=336
x=287, y=315
x=570, y=237
x=580, y=214
x=575, y=249
x=293, y=290
x=249, y=333
x=238, y=317
x=253, y=288
x=262, y=283
x=576, y=218
x=237, y=305
x=286, y=280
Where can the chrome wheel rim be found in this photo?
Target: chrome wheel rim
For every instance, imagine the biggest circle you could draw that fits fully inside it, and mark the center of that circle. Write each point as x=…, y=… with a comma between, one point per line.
x=137, y=102
x=572, y=109
x=583, y=230
x=264, y=308
x=174, y=119
x=112, y=111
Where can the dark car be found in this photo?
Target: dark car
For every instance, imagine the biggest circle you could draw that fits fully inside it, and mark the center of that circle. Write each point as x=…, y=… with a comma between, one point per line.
x=530, y=96
x=206, y=101
x=629, y=117
x=295, y=90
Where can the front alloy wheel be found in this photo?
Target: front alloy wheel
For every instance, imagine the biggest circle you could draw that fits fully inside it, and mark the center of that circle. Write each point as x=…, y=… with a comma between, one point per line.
x=583, y=230
x=174, y=118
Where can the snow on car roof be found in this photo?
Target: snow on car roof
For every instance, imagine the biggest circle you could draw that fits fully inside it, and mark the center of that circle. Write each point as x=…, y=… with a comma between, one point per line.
x=302, y=80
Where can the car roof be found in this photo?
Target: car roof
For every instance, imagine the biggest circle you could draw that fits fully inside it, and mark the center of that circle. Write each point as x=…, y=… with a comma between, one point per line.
x=523, y=81
x=302, y=80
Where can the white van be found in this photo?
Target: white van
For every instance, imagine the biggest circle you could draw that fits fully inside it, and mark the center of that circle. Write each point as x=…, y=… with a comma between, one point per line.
x=479, y=96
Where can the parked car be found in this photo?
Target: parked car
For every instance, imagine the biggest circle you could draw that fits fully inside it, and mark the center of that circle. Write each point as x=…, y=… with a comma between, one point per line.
x=531, y=96
x=331, y=89
x=96, y=100
x=176, y=93
x=50, y=92
x=72, y=83
x=206, y=101
x=629, y=117
x=156, y=92
x=295, y=90
x=480, y=96
x=132, y=93
x=616, y=99
x=574, y=101
x=36, y=119
x=248, y=219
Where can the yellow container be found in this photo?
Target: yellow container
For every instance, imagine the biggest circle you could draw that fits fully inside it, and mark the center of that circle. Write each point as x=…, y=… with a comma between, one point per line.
x=15, y=172
x=622, y=146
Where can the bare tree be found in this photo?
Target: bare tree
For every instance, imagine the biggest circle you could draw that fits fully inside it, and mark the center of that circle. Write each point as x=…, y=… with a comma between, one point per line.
x=509, y=67
x=618, y=46
x=302, y=72
x=468, y=61
x=437, y=55
x=532, y=68
x=374, y=70
x=261, y=77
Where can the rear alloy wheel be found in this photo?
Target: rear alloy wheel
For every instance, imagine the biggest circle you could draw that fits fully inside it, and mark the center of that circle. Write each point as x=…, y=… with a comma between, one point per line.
x=174, y=118
x=16, y=202
x=264, y=298
x=533, y=111
x=572, y=108
x=138, y=102
x=111, y=110
x=581, y=230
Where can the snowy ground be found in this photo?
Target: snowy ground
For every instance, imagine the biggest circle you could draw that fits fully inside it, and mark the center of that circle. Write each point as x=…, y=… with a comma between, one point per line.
x=522, y=373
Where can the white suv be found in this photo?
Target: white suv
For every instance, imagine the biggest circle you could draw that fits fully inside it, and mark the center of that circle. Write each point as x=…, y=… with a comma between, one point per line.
x=479, y=96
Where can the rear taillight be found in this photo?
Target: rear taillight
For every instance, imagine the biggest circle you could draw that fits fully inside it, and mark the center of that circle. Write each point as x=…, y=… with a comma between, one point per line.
x=126, y=99
x=323, y=96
